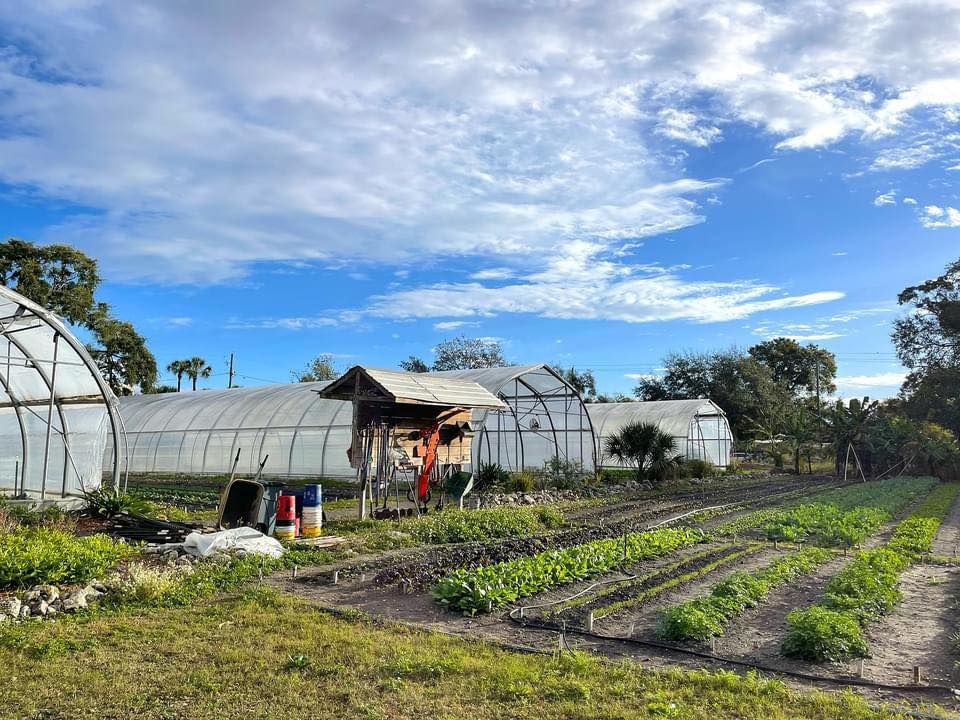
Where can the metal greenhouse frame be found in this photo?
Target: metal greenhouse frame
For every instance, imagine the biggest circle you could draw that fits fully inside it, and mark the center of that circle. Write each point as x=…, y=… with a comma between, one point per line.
x=57, y=408
x=698, y=427
x=301, y=434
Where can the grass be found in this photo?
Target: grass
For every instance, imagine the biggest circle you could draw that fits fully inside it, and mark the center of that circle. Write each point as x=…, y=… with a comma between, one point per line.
x=263, y=655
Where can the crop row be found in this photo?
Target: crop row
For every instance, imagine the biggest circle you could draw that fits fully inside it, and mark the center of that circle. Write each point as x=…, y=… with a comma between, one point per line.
x=483, y=588
x=841, y=517
x=671, y=582
x=866, y=589
x=453, y=526
x=708, y=616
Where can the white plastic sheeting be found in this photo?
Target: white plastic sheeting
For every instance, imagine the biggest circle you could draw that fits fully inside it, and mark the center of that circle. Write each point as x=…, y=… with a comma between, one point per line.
x=699, y=427
x=56, y=412
x=306, y=435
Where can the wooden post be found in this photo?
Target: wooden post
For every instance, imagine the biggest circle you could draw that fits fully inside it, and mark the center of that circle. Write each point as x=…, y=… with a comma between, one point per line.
x=713, y=644
x=336, y=577
x=916, y=674
x=590, y=622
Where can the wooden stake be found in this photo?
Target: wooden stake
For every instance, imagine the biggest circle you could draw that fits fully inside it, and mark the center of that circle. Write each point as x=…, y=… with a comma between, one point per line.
x=295, y=570
x=916, y=674
x=862, y=667
x=336, y=577
x=713, y=644
x=590, y=622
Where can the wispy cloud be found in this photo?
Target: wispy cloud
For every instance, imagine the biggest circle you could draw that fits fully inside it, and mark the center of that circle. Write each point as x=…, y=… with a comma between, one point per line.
x=887, y=198
x=686, y=127
x=879, y=380
x=282, y=323
x=583, y=283
x=180, y=321
x=500, y=273
x=934, y=216
x=454, y=324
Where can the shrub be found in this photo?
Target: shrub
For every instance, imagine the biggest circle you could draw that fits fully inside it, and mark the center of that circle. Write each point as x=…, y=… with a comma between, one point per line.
x=823, y=635
x=489, y=477
x=46, y=555
x=562, y=474
x=521, y=482
x=697, y=468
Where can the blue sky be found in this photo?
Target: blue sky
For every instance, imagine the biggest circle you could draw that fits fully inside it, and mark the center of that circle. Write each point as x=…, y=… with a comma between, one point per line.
x=594, y=184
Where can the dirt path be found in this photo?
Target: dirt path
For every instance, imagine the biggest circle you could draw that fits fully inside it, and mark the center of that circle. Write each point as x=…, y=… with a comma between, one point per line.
x=947, y=541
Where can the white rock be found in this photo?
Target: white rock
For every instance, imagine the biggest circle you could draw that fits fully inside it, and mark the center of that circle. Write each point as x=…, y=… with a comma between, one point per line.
x=10, y=606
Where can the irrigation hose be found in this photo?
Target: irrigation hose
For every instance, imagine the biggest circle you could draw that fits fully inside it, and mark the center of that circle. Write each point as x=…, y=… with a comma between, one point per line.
x=859, y=682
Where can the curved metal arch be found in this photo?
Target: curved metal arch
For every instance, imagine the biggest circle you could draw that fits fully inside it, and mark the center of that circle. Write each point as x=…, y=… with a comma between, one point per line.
x=106, y=393
x=23, y=431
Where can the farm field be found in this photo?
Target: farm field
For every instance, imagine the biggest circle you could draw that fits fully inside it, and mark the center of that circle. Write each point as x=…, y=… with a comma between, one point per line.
x=380, y=643
x=727, y=589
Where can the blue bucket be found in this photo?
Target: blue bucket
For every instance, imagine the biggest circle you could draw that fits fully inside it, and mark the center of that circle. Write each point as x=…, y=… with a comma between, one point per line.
x=311, y=495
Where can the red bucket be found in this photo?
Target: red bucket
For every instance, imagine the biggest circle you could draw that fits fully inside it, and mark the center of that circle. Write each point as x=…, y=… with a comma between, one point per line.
x=287, y=508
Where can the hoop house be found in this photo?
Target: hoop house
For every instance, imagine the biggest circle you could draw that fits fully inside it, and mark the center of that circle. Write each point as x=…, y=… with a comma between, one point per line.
x=56, y=411
x=699, y=427
x=305, y=435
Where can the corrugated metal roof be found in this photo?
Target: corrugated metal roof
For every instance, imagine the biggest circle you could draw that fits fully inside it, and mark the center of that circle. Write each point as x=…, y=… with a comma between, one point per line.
x=420, y=388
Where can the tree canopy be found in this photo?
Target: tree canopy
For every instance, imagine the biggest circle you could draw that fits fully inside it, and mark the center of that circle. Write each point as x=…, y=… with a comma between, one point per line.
x=65, y=280
x=320, y=368
x=797, y=367
x=928, y=343
x=582, y=381
x=459, y=353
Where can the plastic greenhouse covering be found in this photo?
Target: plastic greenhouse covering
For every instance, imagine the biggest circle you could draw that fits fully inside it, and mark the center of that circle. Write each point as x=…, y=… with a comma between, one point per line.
x=699, y=427
x=302, y=434
x=56, y=412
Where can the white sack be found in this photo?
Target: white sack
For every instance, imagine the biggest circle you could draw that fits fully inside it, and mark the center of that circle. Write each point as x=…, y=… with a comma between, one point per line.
x=252, y=541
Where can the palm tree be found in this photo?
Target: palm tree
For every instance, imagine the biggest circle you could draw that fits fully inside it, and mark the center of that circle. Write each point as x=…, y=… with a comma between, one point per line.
x=851, y=424
x=197, y=368
x=646, y=448
x=178, y=368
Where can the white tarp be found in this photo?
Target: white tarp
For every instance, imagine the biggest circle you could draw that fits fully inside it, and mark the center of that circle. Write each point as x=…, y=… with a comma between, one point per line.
x=249, y=540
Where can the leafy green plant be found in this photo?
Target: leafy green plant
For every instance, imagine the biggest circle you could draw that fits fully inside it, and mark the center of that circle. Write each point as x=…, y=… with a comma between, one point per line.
x=468, y=525
x=489, y=477
x=106, y=503
x=30, y=556
x=521, y=482
x=704, y=617
x=823, y=635
x=483, y=588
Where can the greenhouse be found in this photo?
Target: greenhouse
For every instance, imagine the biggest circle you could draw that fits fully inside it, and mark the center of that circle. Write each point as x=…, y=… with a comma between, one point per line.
x=57, y=411
x=699, y=427
x=300, y=434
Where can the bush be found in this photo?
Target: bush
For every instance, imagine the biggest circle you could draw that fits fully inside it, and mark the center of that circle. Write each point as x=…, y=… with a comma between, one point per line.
x=489, y=477
x=562, y=474
x=699, y=469
x=34, y=556
x=521, y=482
x=823, y=635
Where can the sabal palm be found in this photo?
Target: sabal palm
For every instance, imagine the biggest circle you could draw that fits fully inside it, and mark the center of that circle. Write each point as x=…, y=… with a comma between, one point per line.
x=197, y=368
x=178, y=368
x=646, y=448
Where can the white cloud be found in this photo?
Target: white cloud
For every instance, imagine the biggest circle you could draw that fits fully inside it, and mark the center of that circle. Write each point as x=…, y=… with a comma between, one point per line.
x=453, y=324
x=500, y=273
x=686, y=127
x=581, y=282
x=316, y=131
x=180, y=321
x=879, y=380
x=934, y=216
x=887, y=198
x=283, y=323
x=909, y=201
x=840, y=253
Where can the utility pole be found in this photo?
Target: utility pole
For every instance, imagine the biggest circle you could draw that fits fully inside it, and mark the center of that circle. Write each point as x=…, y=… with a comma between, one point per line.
x=819, y=404
x=230, y=373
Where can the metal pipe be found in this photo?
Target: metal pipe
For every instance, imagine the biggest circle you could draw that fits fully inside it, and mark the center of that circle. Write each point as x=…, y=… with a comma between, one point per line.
x=53, y=397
